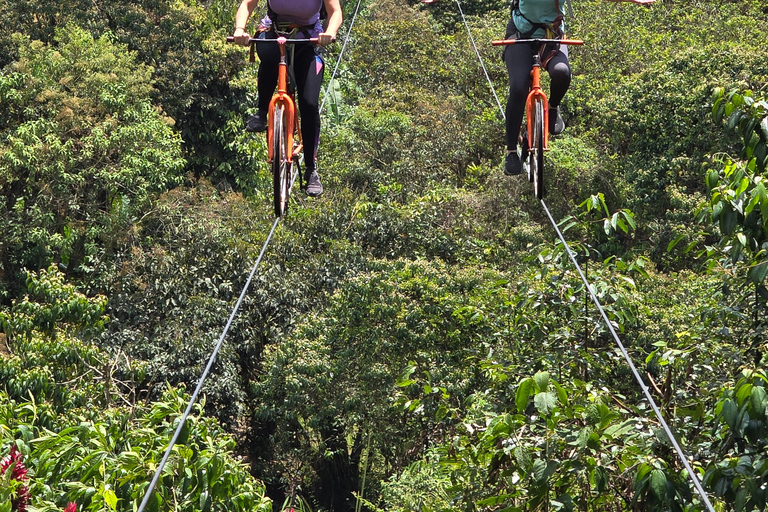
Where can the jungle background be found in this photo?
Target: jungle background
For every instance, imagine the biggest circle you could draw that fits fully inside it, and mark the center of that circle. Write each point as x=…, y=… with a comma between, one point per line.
x=416, y=338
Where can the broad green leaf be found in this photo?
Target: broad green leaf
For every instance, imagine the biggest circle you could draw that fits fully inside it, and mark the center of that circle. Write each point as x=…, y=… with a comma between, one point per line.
x=110, y=498
x=722, y=486
x=600, y=476
x=743, y=393
x=658, y=483
x=760, y=154
x=523, y=394
x=758, y=401
x=757, y=273
x=728, y=220
x=619, y=430
x=671, y=245
x=494, y=500
x=741, y=500
x=545, y=402
x=730, y=412
x=542, y=381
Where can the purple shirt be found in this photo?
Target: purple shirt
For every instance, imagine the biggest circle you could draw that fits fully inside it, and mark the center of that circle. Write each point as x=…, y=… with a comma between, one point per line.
x=300, y=12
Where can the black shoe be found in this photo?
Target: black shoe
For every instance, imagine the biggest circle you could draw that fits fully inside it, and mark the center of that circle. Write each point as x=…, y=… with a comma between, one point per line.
x=312, y=185
x=512, y=166
x=257, y=123
x=556, y=123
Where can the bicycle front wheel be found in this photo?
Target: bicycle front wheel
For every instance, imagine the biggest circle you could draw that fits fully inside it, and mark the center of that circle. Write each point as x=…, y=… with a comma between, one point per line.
x=281, y=161
x=537, y=151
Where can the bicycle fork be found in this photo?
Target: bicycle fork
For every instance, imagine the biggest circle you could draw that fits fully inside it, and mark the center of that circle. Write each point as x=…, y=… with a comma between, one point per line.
x=284, y=99
x=530, y=105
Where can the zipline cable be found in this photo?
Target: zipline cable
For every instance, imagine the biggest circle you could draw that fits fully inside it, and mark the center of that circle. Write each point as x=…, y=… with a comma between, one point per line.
x=341, y=54
x=206, y=371
x=681, y=454
x=482, y=64
x=216, y=349
x=639, y=379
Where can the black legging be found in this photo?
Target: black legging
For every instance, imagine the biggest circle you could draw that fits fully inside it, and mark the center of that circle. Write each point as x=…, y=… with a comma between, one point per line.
x=519, y=60
x=308, y=69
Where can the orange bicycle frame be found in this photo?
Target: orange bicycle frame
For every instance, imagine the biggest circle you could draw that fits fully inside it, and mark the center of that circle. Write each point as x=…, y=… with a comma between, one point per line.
x=536, y=91
x=284, y=98
x=530, y=102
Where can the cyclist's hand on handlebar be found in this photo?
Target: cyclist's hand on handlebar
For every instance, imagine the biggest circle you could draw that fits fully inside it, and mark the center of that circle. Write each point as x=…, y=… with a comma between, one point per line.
x=241, y=37
x=325, y=38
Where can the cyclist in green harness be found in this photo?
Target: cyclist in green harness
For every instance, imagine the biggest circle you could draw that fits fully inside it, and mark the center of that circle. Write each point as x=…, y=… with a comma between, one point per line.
x=536, y=19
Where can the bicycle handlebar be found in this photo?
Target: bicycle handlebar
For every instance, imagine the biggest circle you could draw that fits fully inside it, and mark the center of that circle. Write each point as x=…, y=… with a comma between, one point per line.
x=279, y=40
x=504, y=42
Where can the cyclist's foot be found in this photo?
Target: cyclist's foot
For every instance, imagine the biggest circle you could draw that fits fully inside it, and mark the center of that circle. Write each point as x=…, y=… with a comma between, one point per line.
x=312, y=185
x=257, y=123
x=556, y=123
x=512, y=166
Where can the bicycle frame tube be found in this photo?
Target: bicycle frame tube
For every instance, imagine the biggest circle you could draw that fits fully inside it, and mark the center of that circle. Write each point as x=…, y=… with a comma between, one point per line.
x=281, y=97
x=530, y=102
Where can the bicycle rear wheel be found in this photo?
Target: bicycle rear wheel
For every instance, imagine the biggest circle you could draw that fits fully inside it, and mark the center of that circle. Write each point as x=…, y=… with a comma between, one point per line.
x=281, y=162
x=537, y=151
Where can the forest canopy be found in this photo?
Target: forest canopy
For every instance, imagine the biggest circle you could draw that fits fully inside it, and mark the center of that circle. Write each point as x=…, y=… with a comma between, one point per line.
x=418, y=338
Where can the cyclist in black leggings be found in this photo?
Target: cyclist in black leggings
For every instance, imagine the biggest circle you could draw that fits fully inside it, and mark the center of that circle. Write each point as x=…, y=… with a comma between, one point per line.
x=301, y=18
x=536, y=19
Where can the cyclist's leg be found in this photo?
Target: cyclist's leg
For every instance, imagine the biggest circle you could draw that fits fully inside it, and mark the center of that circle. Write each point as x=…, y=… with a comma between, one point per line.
x=560, y=79
x=519, y=61
x=269, y=59
x=559, y=70
x=309, y=68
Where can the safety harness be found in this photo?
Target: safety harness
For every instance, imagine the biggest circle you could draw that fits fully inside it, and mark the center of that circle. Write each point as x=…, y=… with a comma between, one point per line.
x=552, y=30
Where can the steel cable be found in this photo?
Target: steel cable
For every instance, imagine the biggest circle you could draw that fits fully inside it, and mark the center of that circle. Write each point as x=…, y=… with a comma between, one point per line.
x=648, y=396
x=193, y=399
x=482, y=64
x=673, y=440
x=198, y=388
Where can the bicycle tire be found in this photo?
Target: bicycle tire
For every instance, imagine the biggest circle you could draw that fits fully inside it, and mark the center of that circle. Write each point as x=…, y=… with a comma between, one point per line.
x=280, y=162
x=525, y=154
x=537, y=151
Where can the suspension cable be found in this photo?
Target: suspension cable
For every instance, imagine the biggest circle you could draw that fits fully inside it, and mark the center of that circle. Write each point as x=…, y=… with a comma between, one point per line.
x=681, y=454
x=632, y=367
x=198, y=388
x=341, y=54
x=193, y=399
x=482, y=64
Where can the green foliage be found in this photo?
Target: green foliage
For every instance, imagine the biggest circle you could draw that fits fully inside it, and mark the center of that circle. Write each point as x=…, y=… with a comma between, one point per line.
x=183, y=43
x=82, y=151
x=647, y=93
x=412, y=340
x=740, y=477
x=738, y=199
x=103, y=460
x=54, y=304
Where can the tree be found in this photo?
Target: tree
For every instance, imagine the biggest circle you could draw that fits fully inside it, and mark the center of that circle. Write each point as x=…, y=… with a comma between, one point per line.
x=83, y=151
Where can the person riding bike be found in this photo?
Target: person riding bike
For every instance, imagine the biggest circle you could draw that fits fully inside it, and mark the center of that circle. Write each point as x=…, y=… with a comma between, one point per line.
x=304, y=19
x=531, y=19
